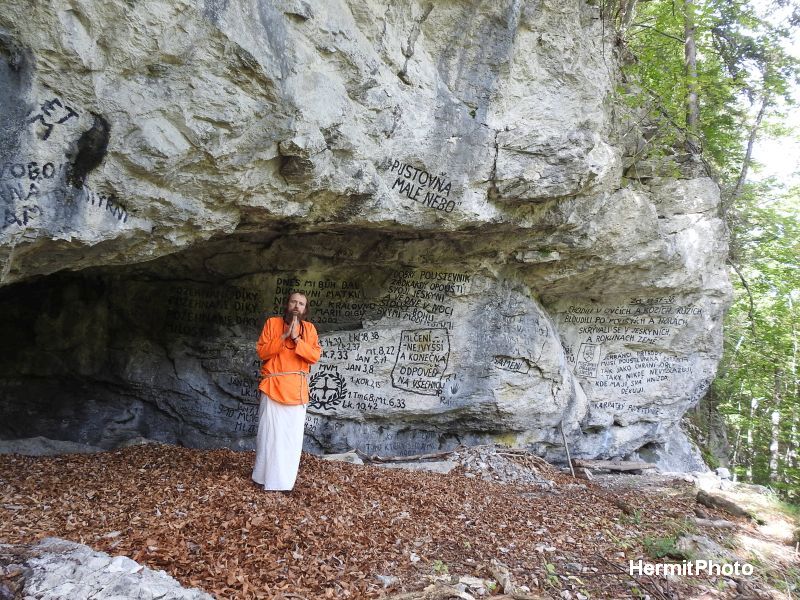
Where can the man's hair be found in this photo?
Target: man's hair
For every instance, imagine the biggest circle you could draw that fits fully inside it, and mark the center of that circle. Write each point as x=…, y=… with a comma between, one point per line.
x=307, y=314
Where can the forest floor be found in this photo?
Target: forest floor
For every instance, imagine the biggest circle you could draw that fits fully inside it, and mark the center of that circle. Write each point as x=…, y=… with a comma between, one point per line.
x=365, y=531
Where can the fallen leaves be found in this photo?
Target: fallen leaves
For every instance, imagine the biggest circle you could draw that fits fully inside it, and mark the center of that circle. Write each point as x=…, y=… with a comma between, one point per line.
x=346, y=531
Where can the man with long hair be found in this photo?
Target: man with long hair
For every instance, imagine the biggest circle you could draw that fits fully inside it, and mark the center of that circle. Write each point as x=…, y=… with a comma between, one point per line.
x=287, y=347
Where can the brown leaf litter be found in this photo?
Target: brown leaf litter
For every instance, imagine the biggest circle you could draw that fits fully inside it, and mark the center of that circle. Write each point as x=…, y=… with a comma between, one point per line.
x=346, y=531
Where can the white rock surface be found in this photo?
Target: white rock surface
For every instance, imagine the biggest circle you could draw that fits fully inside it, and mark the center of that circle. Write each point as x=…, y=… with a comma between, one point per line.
x=54, y=569
x=444, y=180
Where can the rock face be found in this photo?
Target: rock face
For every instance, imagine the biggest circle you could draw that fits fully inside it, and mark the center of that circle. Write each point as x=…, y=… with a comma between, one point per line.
x=54, y=569
x=485, y=260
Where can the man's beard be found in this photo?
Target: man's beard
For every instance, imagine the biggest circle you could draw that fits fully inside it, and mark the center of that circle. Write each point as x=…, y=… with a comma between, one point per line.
x=288, y=315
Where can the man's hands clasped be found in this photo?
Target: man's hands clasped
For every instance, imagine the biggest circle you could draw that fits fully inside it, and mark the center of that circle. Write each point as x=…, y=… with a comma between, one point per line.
x=294, y=330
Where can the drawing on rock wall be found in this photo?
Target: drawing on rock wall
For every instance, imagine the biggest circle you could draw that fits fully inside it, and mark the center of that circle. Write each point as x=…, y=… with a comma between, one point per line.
x=327, y=389
x=399, y=358
x=588, y=359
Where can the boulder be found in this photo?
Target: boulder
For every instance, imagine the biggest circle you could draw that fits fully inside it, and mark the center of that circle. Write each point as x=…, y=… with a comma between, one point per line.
x=444, y=181
x=53, y=569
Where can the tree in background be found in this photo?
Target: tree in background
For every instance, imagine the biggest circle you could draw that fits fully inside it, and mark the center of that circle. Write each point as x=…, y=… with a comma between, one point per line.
x=757, y=385
x=710, y=77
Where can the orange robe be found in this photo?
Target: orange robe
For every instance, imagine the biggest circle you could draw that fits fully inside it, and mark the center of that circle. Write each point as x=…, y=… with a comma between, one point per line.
x=285, y=356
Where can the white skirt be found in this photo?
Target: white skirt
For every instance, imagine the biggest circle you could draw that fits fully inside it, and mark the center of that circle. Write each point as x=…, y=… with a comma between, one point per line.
x=279, y=443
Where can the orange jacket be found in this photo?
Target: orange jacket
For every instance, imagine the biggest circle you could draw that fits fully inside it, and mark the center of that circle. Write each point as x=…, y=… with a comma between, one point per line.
x=284, y=360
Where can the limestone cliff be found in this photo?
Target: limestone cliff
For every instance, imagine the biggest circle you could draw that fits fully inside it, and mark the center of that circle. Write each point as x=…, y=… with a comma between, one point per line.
x=447, y=181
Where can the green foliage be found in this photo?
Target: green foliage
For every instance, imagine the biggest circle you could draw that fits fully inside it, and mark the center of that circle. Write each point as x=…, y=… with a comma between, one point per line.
x=679, y=527
x=757, y=383
x=741, y=63
x=552, y=575
x=663, y=547
x=711, y=460
x=788, y=581
x=440, y=567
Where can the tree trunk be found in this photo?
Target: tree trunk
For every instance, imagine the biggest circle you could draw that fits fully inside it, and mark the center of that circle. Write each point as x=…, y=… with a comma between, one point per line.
x=748, y=155
x=738, y=439
x=774, y=444
x=627, y=8
x=749, y=450
x=690, y=71
x=793, y=442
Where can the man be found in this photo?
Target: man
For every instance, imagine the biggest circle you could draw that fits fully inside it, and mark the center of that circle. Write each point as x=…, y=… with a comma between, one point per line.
x=287, y=347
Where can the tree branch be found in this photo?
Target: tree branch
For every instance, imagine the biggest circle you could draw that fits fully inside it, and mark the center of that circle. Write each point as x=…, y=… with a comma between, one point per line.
x=658, y=31
x=751, y=312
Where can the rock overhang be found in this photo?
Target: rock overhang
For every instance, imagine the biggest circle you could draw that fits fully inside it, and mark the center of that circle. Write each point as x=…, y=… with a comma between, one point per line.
x=476, y=202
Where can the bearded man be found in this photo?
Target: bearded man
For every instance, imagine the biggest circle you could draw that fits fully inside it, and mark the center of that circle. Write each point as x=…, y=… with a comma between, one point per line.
x=287, y=347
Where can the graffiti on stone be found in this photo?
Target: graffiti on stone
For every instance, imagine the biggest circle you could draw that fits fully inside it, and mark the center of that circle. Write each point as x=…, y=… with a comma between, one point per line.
x=509, y=363
x=417, y=184
x=196, y=310
x=622, y=351
x=422, y=358
x=327, y=389
x=33, y=188
x=51, y=113
x=422, y=297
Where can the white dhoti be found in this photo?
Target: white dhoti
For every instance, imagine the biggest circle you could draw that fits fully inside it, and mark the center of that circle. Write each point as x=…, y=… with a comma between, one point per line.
x=279, y=443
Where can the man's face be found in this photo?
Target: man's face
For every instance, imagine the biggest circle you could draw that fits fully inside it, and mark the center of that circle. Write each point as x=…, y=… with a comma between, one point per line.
x=296, y=307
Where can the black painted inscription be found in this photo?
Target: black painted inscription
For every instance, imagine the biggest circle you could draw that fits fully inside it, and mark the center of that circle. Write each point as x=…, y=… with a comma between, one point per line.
x=508, y=363
x=366, y=360
x=422, y=357
x=247, y=419
x=619, y=349
x=432, y=191
x=22, y=215
x=32, y=171
x=616, y=406
x=243, y=388
x=39, y=185
x=333, y=301
x=51, y=113
x=397, y=443
x=196, y=310
x=629, y=371
x=110, y=202
x=421, y=297
x=319, y=425
x=15, y=192
x=424, y=297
